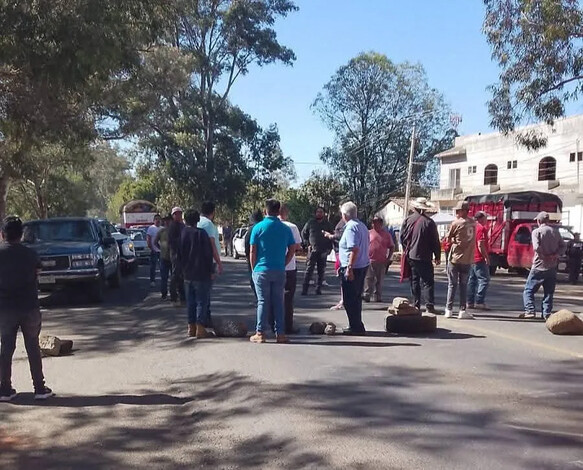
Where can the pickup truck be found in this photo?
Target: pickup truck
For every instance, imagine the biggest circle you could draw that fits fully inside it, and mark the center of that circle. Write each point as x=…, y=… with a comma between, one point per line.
x=74, y=251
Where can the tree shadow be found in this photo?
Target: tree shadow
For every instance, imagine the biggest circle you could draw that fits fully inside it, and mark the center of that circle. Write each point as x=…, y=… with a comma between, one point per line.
x=24, y=399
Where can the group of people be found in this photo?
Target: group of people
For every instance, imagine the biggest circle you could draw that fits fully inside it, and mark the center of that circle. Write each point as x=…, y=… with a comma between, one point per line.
x=467, y=257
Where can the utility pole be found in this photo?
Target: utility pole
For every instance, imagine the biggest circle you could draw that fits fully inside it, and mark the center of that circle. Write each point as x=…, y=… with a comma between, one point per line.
x=578, y=165
x=410, y=172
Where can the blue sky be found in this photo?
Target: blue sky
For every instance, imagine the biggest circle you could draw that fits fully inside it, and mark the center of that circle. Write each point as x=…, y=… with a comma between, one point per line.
x=443, y=35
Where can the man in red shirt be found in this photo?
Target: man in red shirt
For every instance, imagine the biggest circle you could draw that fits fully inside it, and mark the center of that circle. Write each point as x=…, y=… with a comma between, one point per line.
x=480, y=271
x=380, y=251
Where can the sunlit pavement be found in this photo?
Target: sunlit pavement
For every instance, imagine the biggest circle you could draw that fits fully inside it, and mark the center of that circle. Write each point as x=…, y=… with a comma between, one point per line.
x=494, y=392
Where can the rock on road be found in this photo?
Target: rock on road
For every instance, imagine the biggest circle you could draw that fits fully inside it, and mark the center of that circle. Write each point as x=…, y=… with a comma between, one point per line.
x=490, y=393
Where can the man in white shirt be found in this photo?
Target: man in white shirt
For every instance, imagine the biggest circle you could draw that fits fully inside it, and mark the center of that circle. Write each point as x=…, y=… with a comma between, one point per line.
x=154, y=250
x=291, y=273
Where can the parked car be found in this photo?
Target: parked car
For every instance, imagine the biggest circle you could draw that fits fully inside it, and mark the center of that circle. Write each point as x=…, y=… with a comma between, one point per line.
x=128, y=259
x=74, y=251
x=138, y=237
x=239, y=242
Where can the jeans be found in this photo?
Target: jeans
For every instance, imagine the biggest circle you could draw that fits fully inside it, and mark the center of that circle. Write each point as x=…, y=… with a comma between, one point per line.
x=270, y=296
x=422, y=278
x=165, y=270
x=315, y=259
x=197, y=299
x=374, y=280
x=478, y=283
x=352, y=297
x=536, y=279
x=252, y=283
x=457, y=275
x=30, y=325
x=154, y=259
x=177, y=281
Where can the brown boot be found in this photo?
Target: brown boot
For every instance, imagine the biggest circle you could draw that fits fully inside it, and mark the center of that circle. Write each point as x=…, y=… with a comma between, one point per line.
x=201, y=331
x=192, y=330
x=282, y=339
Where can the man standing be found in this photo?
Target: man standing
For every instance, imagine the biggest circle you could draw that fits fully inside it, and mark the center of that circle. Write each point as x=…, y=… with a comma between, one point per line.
x=319, y=247
x=256, y=217
x=177, y=293
x=291, y=272
x=548, y=246
x=381, y=250
x=462, y=237
x=154, y=250
x=161, y=241
x=354, y=262
x=228, y=239
x=272, y=248
x=196, y=257
x=421, y=245
x=480, y=270
x=574, y=258
x=206, y=224
x=19, y=308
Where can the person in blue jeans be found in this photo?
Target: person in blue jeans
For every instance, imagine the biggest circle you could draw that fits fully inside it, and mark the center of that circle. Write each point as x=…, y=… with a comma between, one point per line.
x=480, y=272
x=548, y=246
x=272, y=248
x=196, y=260
x=151, y=234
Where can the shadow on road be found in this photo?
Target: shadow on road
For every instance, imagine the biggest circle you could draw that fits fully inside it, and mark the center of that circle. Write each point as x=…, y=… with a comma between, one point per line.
x=101, y=400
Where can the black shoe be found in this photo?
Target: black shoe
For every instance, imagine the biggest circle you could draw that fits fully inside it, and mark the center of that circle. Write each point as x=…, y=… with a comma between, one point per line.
x=43, y=393
x=319, y=291
x=430, y=309
x=350, y=332
x=7, y=395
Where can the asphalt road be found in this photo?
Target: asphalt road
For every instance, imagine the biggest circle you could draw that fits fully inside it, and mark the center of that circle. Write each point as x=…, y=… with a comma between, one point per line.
x=490, y=393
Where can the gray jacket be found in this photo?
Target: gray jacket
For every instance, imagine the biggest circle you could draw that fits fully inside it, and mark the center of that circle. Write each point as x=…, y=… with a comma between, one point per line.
x=548, y=245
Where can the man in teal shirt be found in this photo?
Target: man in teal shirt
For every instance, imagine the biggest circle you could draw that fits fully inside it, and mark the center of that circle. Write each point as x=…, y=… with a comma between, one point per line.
x=272, y=248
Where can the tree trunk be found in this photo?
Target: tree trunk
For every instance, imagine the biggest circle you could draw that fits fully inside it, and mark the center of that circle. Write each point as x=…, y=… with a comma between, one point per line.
x=4, y=181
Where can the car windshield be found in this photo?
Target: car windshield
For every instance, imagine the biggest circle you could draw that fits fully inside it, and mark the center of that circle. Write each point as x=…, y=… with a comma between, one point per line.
x=58, y=231
x=566, y=234
x=137, y=236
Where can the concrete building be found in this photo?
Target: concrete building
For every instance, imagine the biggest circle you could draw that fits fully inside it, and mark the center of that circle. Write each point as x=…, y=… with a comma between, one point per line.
x=493, y=163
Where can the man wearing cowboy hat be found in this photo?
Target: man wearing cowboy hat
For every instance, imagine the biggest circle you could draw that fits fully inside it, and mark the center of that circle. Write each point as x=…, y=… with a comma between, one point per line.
x=421, y=245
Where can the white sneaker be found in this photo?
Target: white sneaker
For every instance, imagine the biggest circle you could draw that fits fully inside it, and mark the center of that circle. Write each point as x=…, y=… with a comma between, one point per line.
x=448, y=313
x=464, y=315
x=325, y=284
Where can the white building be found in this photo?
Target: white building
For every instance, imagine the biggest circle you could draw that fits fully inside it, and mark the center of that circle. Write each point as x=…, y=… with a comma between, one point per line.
x=492, y=163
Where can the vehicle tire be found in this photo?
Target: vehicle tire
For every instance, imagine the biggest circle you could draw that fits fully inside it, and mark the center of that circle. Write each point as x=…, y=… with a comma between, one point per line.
x=115, y=280
x=97, y=290
x=493, y=269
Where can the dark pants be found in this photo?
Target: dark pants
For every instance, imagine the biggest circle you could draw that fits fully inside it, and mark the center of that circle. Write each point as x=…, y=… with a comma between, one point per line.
x=30, y=325
x=315, y=259
x=197, y=301
x=422, y=279
x=457, y=277
x=536, y=279
x=177, y=282
x=165, y=270
x=228, y=246
x=574, y=269
x=352, y=297
x=154, y=259
x=291, y=280
x=478, y=283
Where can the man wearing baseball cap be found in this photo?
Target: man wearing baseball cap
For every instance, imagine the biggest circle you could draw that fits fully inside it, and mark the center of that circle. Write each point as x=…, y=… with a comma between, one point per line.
x=548, y=245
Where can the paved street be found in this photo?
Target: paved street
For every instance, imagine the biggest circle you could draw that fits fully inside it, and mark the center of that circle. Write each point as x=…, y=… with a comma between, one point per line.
x=496, y=392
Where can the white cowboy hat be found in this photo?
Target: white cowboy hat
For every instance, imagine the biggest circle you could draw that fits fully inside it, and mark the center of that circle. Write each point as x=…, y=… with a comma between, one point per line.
x=422, y=203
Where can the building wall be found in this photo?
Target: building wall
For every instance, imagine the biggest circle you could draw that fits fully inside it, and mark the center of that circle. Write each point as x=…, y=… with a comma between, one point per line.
x=495, y=149
x=392, y=214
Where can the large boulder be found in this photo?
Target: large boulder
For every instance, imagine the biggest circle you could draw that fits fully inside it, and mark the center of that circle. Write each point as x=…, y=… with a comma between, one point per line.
x=565, y=322
x=410, y=324
x=53, y=346
x=229, y=327
x=318, y=328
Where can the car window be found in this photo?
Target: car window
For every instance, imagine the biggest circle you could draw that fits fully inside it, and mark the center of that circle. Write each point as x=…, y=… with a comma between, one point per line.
x=566, y=234
x=58, y=231
x=137, y=236
x=523, y=236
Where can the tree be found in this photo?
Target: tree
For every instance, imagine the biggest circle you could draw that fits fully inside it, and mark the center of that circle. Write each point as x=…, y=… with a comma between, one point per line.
x=180, y=109
x=371, y=105
x=537, y=44
x=323, y=190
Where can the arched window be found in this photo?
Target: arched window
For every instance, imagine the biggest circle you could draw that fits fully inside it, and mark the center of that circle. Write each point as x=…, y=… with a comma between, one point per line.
x=490, y=175
x=547, y=169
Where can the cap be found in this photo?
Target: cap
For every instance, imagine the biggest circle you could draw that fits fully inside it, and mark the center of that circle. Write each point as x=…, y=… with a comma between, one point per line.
x=480, y=214
x=542, y=216
x=176, y=209
x=462, y=206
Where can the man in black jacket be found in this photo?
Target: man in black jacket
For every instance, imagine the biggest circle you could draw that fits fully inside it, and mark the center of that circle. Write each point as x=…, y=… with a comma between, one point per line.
x=177, y=294
x=421, y=244
x=319, y=248
x=196, y=259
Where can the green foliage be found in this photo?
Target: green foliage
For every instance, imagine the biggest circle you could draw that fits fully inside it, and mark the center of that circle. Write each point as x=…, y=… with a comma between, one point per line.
x=537, y=44
x=371, y=105
x=325, y=190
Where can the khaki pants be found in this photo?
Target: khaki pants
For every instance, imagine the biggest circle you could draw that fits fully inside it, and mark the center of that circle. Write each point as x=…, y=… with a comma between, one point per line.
x=374, y=280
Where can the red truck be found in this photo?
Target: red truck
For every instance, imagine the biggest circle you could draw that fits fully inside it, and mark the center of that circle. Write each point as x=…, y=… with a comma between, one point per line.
x=511, y=223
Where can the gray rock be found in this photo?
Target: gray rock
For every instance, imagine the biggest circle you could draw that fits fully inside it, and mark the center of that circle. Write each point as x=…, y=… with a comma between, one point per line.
x=229, y=327
x=53, y=346
x=330, y=329
x=318, y=328
x=565, y=322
